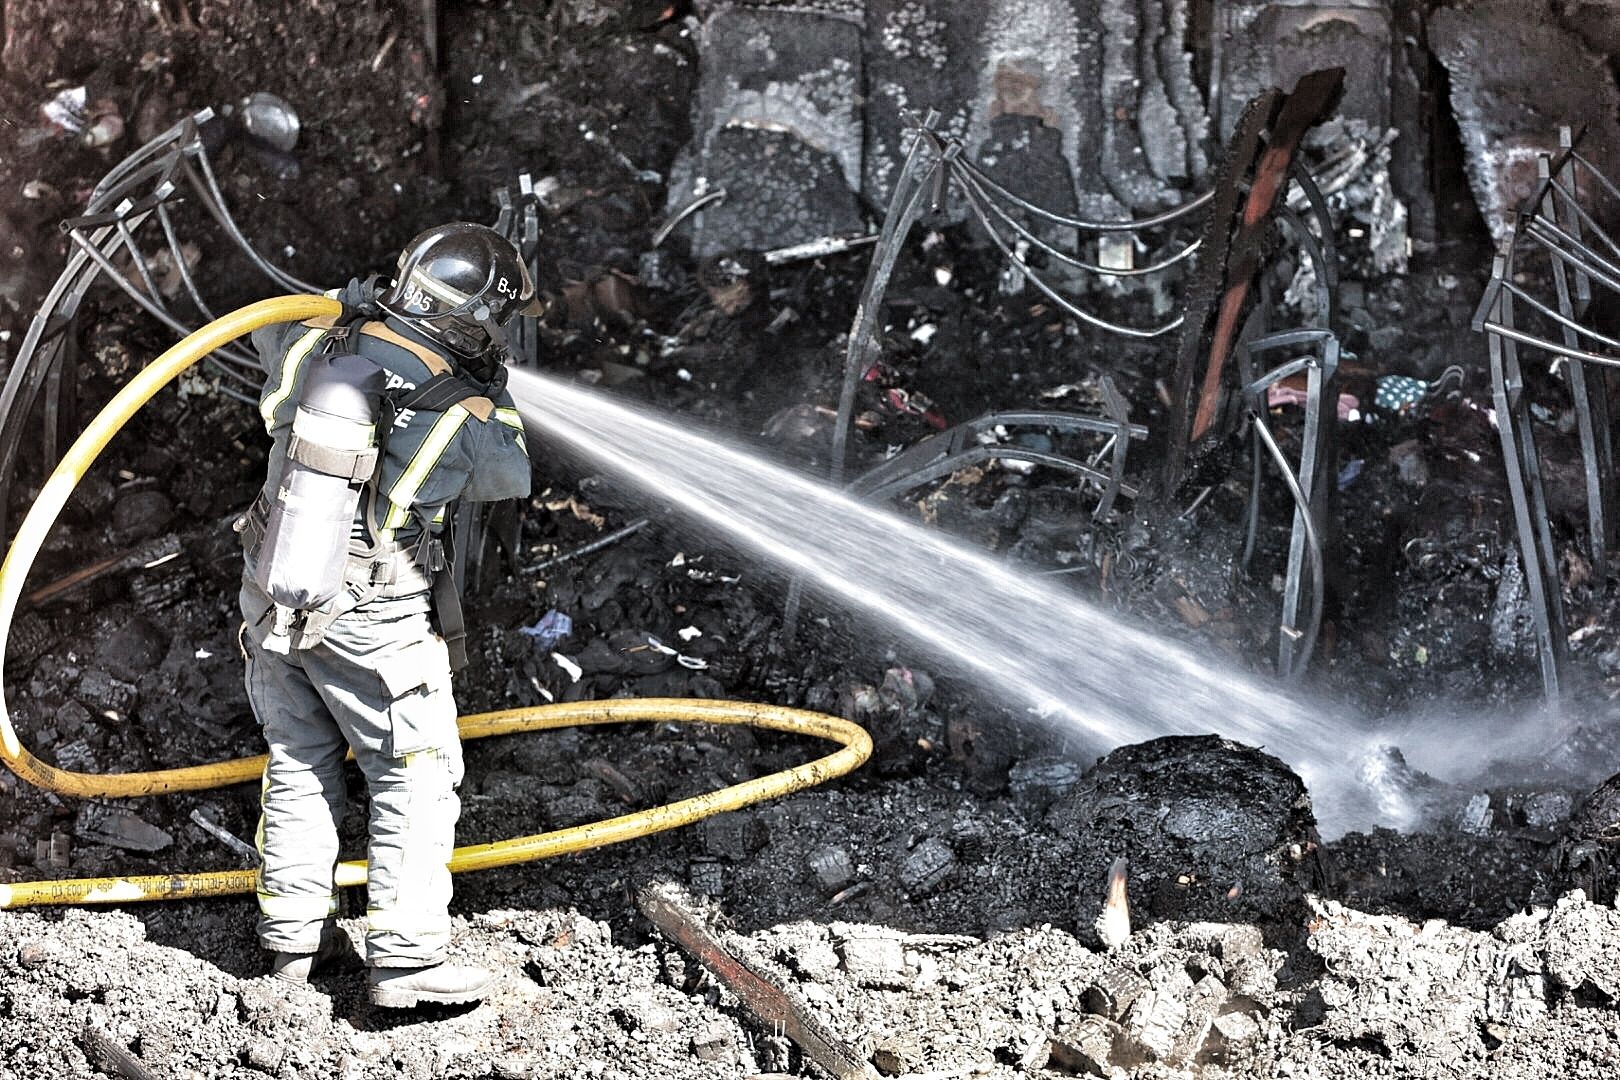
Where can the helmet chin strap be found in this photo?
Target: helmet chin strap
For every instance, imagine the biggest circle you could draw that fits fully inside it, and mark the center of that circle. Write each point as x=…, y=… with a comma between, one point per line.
x=492, y=361
x=497, y=336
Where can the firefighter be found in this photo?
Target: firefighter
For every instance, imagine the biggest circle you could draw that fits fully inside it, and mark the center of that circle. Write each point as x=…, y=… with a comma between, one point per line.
x=380, y=420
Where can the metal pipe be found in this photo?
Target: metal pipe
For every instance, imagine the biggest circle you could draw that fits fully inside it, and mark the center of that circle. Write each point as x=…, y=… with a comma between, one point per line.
x=685, y=212
x=594, y=546
x=214, y=200
x=1051, y=294
x=1539, y=226
x=1513, y=334
x=966, y=179
x=1607, y=184
x=139, y=259
x=179, y=255
x=163, y=316
x=1562, y=320
x=815, y=249
x=1165, y=218
x=1313, y=542
x=1586, y=218
x=904, y=208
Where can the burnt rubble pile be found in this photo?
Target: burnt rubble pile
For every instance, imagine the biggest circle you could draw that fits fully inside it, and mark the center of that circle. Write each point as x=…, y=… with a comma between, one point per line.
x=1211, y=830
x=921, y=928
x=1210, y=997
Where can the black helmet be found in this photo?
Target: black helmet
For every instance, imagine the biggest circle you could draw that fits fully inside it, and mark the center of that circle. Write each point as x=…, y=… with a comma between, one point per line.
x=455, y=281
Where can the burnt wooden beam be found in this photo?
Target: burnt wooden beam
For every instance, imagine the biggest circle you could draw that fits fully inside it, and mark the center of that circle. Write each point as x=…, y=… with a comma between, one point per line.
x=764, y=998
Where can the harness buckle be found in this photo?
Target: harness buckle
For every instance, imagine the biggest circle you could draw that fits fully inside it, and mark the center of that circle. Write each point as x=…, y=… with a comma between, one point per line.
x=433, y=556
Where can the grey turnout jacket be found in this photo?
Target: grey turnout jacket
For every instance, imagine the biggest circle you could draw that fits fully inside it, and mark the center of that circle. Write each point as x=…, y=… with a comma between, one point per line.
x=473, y=449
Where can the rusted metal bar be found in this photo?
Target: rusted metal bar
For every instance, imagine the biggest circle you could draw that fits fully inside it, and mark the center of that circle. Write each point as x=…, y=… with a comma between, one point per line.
x=1315, y=94
x=759, y=993
x=594, y=546
x=1205, y=286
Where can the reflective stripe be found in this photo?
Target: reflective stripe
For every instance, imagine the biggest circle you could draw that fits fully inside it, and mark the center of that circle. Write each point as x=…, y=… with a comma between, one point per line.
x=303, y=908
x=289, y=374
x=512, y=419
x=426, y=459
x=411, y=921
x=338, y=432
x=258, y=833
x=450, y=295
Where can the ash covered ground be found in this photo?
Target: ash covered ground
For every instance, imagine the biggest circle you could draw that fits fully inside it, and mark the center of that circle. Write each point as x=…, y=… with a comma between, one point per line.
x=936, y=910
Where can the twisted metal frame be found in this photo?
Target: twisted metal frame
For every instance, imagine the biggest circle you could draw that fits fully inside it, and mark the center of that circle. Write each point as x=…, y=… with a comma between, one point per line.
x=1310, y=483
x=137, y=193
x=932, y=162
x=1555, y=224
x=961, y=446
x=935, y=160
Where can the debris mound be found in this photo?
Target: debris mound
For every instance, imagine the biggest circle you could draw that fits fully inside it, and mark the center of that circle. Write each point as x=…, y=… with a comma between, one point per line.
x=1212, y=831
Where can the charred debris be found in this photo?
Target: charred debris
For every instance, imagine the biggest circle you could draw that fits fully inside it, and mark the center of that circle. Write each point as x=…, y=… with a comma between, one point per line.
x=1283, y=327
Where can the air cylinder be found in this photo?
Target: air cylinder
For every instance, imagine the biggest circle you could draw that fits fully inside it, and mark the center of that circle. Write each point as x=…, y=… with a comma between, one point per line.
x=331, y=454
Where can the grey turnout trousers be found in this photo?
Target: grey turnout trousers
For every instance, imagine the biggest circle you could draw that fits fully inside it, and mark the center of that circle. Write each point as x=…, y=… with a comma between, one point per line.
x=380, y=683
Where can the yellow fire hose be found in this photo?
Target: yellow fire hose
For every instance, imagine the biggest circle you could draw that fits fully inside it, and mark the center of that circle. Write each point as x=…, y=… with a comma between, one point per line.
x=857, y=744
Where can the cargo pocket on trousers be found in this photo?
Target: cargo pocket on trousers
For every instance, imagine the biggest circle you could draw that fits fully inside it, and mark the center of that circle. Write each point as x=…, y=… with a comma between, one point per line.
x=421, y=709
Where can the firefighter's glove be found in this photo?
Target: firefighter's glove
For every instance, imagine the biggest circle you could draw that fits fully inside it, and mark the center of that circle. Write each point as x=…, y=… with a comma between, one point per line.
x=359, y=299
x=496, y=383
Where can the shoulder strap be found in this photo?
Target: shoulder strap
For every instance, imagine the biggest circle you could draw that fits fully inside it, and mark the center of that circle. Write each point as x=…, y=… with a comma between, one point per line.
x=452, y=621
x=436, y=394
x=435, y=363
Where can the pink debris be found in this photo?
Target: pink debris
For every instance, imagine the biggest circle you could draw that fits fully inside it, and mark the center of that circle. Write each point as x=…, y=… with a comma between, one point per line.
x=1278, y=396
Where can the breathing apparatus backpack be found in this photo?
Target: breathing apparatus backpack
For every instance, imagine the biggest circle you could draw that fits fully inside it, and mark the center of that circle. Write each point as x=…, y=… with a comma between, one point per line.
x=299, y=536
